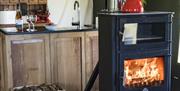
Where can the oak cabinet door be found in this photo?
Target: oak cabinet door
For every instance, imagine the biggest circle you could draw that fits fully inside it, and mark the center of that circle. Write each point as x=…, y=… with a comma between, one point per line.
x=24, y=1
x=42, y=1
x=1, y=67
x=33, y=1
x=4, y=1
x=13, y=1
x=27, y=60
x=66, y=58
x=92, y=56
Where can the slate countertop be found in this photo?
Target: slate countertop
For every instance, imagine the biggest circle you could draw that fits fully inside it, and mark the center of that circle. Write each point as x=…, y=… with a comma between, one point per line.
x=42, y=29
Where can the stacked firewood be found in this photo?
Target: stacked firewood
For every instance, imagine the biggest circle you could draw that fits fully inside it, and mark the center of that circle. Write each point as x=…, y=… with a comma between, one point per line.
x=42, y=87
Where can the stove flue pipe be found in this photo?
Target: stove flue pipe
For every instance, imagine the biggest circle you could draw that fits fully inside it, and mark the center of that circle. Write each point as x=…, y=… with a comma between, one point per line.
x=113, y=5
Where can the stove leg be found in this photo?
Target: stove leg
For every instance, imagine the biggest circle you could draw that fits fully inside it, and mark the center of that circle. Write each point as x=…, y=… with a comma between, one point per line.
x=92, y=79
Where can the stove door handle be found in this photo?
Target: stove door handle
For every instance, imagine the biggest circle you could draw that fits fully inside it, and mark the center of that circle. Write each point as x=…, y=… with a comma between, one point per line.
x=121, y=33
x=121, y=77
x=176, y=77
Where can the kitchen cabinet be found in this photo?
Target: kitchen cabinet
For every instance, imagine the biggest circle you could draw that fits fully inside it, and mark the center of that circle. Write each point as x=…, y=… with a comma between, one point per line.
x=73, y=58
x=26, y=60
x=66, y=59
x=42, y=1
x=33, y=1
x=4, y=2
x=91, y=57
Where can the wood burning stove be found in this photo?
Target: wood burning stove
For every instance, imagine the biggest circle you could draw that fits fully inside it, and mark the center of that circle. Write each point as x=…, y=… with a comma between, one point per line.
x=135, y=51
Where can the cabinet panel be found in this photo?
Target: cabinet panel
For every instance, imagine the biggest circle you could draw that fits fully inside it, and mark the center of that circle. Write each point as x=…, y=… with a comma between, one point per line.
x=66, y=60
x=4, y=1
x=1, y=67
x=92, y=56
x=28, y=65
x=42, y=1
x=24, y=1
x=33, y=1
x=27, y=60
x=13, y=1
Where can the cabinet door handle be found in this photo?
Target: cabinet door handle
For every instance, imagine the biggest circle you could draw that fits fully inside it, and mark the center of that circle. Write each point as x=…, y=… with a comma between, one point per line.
x=27, y=41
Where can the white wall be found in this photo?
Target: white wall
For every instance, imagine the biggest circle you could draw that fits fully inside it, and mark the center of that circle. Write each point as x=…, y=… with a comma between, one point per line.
x=7, y=17
x=61, y=11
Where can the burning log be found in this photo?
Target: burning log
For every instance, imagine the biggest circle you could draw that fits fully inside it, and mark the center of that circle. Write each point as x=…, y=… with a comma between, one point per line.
x=144, y=72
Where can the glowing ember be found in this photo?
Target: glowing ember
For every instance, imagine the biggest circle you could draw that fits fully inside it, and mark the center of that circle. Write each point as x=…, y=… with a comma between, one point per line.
x=144, y=72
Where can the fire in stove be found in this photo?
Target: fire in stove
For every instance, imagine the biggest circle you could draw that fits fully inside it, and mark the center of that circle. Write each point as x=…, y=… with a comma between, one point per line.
x=143, y=72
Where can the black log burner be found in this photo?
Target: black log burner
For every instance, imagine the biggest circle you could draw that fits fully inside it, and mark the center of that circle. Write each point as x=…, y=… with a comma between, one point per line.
x=135, y=51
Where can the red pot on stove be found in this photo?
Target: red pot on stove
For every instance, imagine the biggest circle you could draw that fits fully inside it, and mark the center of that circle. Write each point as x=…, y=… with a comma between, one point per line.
x=132, y=6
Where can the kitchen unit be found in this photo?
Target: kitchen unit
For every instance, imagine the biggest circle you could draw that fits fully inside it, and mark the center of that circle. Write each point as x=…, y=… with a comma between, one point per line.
x=66, y=57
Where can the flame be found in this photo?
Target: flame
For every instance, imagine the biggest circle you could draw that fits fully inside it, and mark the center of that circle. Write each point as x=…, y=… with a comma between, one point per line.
x=144, y=72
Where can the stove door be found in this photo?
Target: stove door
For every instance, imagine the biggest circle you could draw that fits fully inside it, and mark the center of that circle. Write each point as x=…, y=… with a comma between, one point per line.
x=144, y=73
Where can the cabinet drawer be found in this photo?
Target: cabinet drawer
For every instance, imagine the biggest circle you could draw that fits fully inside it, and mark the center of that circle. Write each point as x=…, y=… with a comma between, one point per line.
x=33, y=1
x=42, y=1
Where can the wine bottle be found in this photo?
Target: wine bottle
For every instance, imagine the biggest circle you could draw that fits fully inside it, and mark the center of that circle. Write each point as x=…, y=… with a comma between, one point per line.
x=19, y=21
x=18, y=15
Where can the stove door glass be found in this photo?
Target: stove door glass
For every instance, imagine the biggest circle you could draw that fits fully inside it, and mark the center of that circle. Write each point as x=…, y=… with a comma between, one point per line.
x=137, y=33
x=143, y=72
